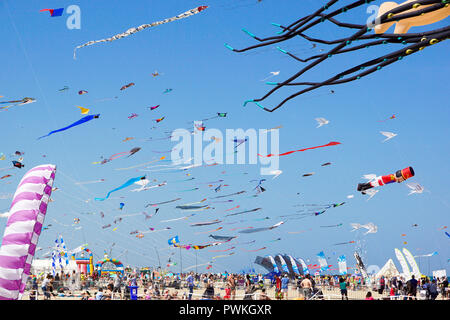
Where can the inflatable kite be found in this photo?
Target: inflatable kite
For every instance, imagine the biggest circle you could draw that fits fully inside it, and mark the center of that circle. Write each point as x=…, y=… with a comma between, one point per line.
x=126, y=184
x=24, y=225
x=406, y=15
x=142, y=27
x=399, y=176
x=81, y=121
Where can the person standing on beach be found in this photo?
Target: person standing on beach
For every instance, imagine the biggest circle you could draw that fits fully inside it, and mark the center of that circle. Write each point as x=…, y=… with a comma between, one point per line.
x=285, y=286
x=411, y=286
x=190, y=282
x=307, y=286
x=343, y=286
x=232, y=283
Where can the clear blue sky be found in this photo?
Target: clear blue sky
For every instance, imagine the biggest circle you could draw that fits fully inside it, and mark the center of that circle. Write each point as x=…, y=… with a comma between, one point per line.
x=36, y=61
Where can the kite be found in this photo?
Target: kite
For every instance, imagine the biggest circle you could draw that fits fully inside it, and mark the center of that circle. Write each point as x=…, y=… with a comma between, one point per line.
x=157, y=204
x=301, y=150
x=371, y=193
x=274, y=73
x=132, y=116
x=121, y=205
x=127, y=139
x=415, y=188
x=406, y=15
x=308, y=174
x=229, y=195
x=18, y=102
x=144, y=188
x=399, y=176
x=448, y=235
x=334, y=225
x=64, y=89
x=247, y=211
x=239, y=141
x=209, y=231
x=275, y=173
x=17, y=164
x=2, y=157
x=388, y=135
x=427, y=255
x=154, y=107
x=54, y=12
x=391, y=117
x=140, y=165
x=84, y=110
x=199, y=224
x=81, y=121
x=118, y=155
x=222, y=250
x=222, y=256
x=82, y=92
x=167, y=90
x=224, y=238
x=126, y=184
x=127, y=86
x=326, y=164
x=185, y=217
x=187, y=207
x=442, y=228
x=142, y=27
x=106, y=226
x=155, y=74
x=342, y=243
x=23, y=228
x=371, y=228
x=262, y=229
x=321, y=122
x=159, y=120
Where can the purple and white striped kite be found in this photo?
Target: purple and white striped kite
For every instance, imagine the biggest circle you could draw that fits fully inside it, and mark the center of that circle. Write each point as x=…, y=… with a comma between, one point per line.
x=25, y=220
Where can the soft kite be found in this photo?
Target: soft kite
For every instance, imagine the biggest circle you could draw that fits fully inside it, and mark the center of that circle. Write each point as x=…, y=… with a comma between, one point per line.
x=126, y=184
x=154, y=107
x=84, y=110
x=221, y=238
x=301, y=150
x=54, y=12
x=262, y=229
x=23, y=228
x=159, y=120
x=399, y=176
x=142, y=27
x=127, y=86
x=199, y=224
x=81, y=121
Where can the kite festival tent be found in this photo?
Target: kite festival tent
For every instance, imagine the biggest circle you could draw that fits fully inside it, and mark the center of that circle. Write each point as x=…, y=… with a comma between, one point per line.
x=388, y=270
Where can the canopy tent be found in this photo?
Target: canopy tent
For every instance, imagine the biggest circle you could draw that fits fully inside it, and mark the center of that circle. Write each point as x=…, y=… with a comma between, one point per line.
x=388, y=270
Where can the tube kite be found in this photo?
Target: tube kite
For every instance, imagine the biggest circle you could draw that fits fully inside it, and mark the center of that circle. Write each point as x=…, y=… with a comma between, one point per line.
x=81, y=121
x=24, y=225
x=142, y=27
x=399, y=176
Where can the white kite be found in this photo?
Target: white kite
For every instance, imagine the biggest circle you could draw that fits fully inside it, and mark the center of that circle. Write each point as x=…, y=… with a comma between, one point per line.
x=388, y=135
x=275, y=173
x=371, y=193
x=371, y=228
x=274, y=73
x=321, y=122
x=142, y=27
x=415, y=188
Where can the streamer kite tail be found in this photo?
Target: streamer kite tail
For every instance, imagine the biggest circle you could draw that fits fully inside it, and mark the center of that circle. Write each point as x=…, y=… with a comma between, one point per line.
x=81, y=121
x=333, y=143
x=142, y=27
x=126, y=184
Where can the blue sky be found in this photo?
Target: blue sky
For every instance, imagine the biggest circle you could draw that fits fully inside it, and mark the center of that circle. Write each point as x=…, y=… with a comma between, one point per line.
x=37, y=60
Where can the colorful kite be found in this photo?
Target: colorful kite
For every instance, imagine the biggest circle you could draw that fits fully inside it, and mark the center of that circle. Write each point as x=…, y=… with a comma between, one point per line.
x=126, y=184
x=132, y=116
x=26, y=217
x=154, y=107
x=82, y=92
x=127, y=86
x=399, y=176
x=159, y=120
x=300, y=150
x=84, y=110
x=142, y=27
x=81, y=121
x=54, y=12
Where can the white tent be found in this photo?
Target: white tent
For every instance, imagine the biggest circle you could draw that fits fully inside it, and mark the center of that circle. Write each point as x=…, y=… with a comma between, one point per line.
x=45, y=265
x=388, y=270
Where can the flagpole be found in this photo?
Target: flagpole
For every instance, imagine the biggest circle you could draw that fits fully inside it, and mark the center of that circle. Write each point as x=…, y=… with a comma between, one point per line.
x=181, y=263
x=159, y=261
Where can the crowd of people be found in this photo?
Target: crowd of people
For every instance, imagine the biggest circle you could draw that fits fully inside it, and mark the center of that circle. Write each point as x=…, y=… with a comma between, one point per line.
x=154, y=285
